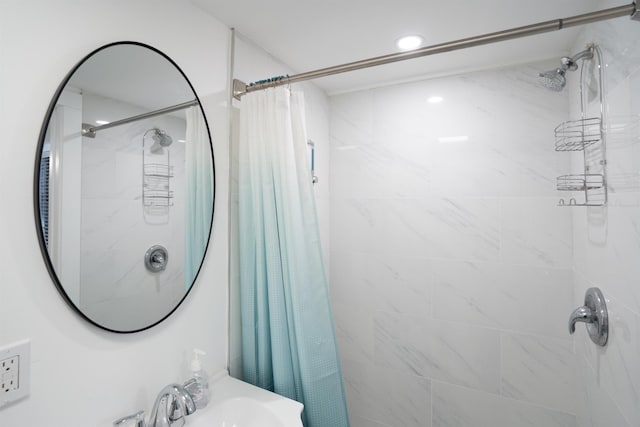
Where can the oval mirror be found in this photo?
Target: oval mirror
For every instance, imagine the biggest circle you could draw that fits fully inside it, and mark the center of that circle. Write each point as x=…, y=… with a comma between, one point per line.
x=124, y=187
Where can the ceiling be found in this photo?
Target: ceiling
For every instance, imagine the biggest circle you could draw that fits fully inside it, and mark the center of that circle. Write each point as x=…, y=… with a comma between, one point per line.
x=312, y=34
x=132, y=74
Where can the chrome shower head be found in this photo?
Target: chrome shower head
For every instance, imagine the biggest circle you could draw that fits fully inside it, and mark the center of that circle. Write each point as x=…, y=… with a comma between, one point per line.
x=553, y=79
x=161, y=137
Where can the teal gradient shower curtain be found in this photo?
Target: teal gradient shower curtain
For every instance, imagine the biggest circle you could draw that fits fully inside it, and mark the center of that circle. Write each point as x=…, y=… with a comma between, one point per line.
x=199, y=193
x=288, y=340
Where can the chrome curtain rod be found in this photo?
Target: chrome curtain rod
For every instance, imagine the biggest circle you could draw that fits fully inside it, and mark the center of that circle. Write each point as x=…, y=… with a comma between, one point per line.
x=90, y=131
x=240, y=88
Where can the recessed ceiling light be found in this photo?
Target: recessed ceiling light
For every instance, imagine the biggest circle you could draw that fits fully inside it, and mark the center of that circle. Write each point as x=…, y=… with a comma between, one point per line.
x=102, y=122
x=409, y=42
x=435, y=99
x=182, y=140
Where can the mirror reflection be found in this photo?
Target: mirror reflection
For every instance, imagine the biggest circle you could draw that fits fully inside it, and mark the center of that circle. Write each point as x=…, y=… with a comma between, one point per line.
x=125, y=187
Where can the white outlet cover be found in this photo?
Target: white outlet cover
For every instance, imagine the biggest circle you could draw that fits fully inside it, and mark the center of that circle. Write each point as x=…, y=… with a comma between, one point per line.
x=20, y=351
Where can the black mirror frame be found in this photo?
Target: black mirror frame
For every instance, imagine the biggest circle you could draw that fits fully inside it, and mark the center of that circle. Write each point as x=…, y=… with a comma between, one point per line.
x=36, y=187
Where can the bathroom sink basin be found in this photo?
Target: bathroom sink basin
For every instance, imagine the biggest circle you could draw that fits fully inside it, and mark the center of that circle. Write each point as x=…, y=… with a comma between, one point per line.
x=235, y=403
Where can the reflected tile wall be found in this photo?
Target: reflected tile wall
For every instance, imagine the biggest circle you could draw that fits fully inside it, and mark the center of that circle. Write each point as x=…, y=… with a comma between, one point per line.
x=607, y=240
x=450, y=261
x=115, y=232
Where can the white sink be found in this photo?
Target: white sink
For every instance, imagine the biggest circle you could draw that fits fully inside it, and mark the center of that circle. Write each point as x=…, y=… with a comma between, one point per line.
x=235, y=403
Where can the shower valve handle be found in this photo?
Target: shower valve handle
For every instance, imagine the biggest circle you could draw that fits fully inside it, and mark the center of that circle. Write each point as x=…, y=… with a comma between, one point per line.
x=594, y=314
x=580, y=314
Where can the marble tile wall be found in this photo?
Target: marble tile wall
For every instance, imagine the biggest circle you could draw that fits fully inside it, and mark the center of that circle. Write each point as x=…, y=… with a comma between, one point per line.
x=451, y=264
x=112, y=259
x=606, y=240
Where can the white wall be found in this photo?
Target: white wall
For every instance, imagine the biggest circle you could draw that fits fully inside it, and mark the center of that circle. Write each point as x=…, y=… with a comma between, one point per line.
x=82, y=375
x=253, y=63
x=450, y=261
x=606, y=240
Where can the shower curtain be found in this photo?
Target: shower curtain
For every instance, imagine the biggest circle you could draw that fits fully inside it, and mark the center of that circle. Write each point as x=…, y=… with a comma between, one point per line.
x=199, y=193
x=288, y=340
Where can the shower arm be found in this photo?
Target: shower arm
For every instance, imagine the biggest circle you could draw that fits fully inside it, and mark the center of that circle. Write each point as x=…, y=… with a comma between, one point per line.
x=240, y=88
x=90, y=131
x=585, y=54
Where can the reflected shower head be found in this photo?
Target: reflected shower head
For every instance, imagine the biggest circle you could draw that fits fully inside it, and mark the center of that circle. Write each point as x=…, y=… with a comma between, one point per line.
x=160, y=139
x=555, y=80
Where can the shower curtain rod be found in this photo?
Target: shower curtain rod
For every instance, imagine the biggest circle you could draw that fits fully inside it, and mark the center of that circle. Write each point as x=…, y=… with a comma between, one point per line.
x=90, y=131
x=240, y=88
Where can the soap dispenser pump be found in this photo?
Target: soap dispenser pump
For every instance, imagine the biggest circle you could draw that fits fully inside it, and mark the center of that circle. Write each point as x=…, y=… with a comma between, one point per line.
x=198, y=385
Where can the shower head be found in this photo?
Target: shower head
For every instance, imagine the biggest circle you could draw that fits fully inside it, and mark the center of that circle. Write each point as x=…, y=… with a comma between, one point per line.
x=555, y=80
x=160, y=139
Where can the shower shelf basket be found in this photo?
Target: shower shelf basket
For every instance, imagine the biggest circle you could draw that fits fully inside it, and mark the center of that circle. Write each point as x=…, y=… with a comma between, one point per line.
x=156, y=188
x=579, y=182
x=576, y=135
x=158, y=169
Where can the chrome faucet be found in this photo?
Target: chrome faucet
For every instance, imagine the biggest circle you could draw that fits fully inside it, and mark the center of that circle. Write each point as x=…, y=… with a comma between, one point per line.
x=594, y=314
x=171, y=406
x=580, y=314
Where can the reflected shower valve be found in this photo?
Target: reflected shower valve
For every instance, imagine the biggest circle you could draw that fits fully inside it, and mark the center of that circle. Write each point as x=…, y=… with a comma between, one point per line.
x=156, y=258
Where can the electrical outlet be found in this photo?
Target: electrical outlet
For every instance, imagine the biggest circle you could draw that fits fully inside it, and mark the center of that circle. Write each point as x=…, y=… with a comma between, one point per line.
x=15, y=365
x=9, y=369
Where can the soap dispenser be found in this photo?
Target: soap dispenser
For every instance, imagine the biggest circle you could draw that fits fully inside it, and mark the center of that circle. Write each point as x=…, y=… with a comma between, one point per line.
x=198, y=385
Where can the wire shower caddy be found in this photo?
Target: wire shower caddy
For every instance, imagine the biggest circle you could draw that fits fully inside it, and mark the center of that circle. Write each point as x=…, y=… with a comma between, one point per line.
x=585, y=135
x=157, y=172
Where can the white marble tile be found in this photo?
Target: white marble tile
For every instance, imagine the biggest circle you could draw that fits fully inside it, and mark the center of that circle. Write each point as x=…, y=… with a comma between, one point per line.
x=347, y=279
x=435, y=227
x=127, y=182
x=488, y=174
x=614, y=366
x=404, y=111
x=469, y=228
x=606, y=240
x=354, y=328
x=502, y=296
x=539, y=370
x=356, y=225
x=536, y=232
x=97, y=269
x=351, y=119
x=386, y=396
x=619, y=42
x=356, y=421
x=610, y=246
x=538, y=171
x=98, y=172
x=375, y=170
x=617, y=364
x=387, y=283
x=455, y=406
x=445, y=351
x=595, y=407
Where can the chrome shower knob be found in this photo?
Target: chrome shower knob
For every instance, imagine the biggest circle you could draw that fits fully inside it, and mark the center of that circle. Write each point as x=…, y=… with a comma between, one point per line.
x=594, y=314
x=156, y=258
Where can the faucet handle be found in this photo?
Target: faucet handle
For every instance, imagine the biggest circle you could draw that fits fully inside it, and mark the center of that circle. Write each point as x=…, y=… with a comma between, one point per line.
x=580, y=314
x=138, y=418
x=594, y=315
